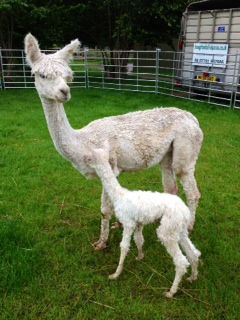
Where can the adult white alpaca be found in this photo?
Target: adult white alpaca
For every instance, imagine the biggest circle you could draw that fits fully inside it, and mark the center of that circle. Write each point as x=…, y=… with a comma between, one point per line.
x=166, y=136
x=137, y=208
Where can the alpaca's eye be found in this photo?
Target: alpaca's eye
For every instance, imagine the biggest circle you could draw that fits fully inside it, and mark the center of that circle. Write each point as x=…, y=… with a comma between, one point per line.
x=42, y=76
x=69, y=78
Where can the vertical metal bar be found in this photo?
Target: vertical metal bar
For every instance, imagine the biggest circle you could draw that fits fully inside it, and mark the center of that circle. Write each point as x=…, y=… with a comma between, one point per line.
x=198, y=27
x=210, y=68
x=157, y=71
x=103, y=70
x=193, y=67
x=137, y=69
x=86, y=68
x=229, y=25
x=233, y=79
x=119, y=69
x=213, y=25
x=173, y=70
x=191, y=82
x=24, y=70
x=236, y=81
x=1, y=71
x=209, y=85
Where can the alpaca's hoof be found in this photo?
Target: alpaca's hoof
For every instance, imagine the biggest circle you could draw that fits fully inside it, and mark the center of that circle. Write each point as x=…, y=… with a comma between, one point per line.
x=140, y=257
x=190, y=226
x=168, y=294
x=99, y=245
x=192, y=278
x=113, y=276
x=116, y=225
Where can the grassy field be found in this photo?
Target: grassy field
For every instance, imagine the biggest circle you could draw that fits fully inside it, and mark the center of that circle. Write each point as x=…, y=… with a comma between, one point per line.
x=49, y=216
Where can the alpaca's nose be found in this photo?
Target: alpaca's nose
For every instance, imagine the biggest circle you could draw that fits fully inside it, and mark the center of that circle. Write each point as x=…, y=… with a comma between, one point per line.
x=64, y=92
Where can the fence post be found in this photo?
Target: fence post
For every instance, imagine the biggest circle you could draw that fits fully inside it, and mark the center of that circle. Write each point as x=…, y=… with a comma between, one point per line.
x=119, y=69
x=86, y=67
x=137, y=69
x=234, y=94
x=24, y=70
x=1, y=71
x=157, y=70
x=103, y=69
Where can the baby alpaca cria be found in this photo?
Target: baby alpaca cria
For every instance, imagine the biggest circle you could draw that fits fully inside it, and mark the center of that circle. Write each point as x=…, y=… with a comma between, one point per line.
x=137, y=208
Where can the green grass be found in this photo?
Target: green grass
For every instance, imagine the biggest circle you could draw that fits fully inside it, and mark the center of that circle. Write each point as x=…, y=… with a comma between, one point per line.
x=49, y=216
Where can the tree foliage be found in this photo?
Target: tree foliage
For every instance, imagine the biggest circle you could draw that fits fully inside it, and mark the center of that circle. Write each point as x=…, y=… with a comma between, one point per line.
x=117, y=24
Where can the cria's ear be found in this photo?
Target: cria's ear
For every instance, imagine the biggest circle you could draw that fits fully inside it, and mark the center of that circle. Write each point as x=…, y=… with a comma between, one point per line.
x=32, y=50
x=106, y=147
x=100, y=155
x=68, y=51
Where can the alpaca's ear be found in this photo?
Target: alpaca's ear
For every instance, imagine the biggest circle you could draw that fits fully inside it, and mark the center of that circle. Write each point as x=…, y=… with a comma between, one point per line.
x=32, y=50
x=68, y=51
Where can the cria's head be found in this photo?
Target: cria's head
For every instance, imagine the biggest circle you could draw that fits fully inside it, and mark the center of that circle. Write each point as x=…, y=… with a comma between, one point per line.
x=98, y=156
x=51, y=71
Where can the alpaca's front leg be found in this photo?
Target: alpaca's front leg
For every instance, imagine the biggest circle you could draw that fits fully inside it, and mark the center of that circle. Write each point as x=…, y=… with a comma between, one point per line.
x=124, y=245
x=107, y=211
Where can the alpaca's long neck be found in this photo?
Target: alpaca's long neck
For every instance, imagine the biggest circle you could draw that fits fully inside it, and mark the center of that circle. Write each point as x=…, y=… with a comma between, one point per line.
x=109, y=181
x=62, y=134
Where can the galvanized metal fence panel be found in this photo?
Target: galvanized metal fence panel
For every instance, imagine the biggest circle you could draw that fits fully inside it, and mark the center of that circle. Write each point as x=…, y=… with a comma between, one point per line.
x=161, y=72
x=122, y=70
x=207, y=82
x=15, y=73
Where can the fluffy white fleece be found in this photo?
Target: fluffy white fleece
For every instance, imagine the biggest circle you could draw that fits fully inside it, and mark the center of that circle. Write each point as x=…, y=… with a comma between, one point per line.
x=137, y=208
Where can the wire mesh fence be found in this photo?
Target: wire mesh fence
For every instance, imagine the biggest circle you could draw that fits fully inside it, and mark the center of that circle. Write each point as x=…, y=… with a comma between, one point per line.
x=161, y=72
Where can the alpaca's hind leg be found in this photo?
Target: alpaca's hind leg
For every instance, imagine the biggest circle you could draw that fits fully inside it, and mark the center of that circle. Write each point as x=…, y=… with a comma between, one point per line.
x=107, y=211
x=192, y=193
x=139, y=240
x=124, y=245
x=168, y=175
x=185, y=155
x=192, y=254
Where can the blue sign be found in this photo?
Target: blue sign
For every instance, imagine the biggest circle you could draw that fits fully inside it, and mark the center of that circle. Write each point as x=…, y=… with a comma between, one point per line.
x=221, y=29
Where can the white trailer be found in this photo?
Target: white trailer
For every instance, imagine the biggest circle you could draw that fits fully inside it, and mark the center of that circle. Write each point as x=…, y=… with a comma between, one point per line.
x=209, y=46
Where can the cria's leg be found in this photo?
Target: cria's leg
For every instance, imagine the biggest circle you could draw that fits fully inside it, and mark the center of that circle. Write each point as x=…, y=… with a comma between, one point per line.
x=139, y=240
x=166, y=235
x=192, y=254
x=192, y=193
x=124, y=245
x=107, y=211
x=181, y=265
x=168, y=175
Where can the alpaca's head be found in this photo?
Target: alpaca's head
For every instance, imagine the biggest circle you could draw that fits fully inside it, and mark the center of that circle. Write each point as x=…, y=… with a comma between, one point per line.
x=51, y=71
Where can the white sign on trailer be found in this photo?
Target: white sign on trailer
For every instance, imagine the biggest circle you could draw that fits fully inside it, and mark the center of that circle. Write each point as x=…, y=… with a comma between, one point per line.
x=210, y=54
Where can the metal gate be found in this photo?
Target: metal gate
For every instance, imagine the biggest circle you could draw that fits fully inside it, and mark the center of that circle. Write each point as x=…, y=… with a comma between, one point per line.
x=160, y=72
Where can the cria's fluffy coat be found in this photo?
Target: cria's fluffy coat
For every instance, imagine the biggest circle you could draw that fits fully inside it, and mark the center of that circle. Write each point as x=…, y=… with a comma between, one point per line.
x=137, y=208
x=168, y=137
